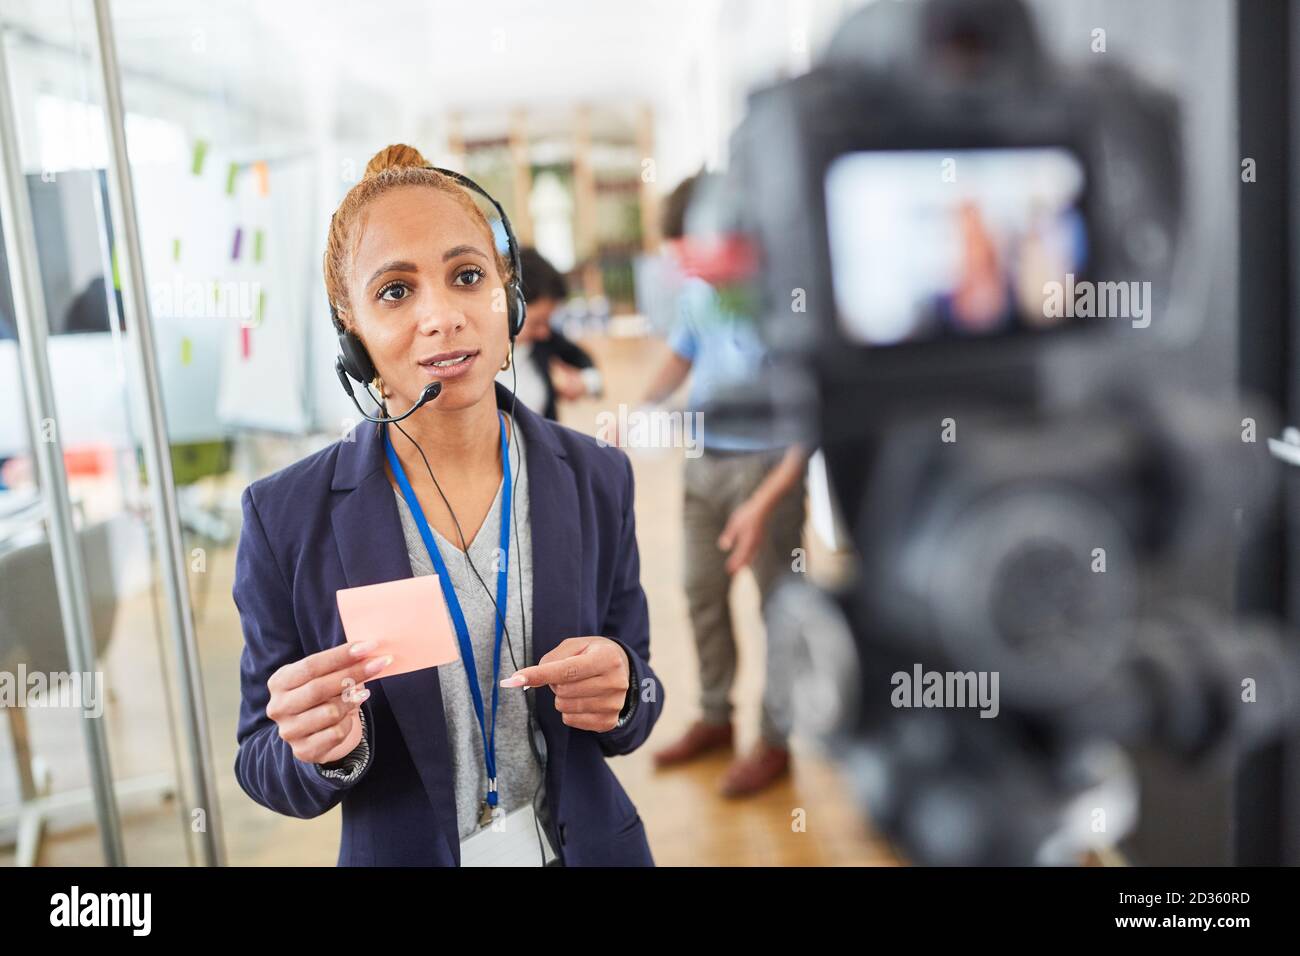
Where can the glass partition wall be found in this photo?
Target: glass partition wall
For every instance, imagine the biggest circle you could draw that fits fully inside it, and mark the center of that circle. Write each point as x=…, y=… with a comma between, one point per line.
x=102, y=757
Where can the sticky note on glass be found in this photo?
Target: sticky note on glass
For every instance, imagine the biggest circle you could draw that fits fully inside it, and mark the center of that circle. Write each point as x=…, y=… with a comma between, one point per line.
x=263, y=177
x=406, y=618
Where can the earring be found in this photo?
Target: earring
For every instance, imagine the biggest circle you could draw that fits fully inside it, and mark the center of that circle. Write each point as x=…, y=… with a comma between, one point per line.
x=378, y=384
x=506, y=366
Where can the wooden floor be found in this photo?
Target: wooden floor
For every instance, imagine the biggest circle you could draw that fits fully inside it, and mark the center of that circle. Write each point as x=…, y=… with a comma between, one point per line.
x=687, y=823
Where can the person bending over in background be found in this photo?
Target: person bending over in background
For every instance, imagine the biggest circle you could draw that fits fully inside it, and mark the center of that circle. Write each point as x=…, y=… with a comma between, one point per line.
x=549, y=364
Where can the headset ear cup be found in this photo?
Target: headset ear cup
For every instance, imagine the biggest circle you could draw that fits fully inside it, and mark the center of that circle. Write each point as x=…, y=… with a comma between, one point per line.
x=519, y=309
x=356, y=360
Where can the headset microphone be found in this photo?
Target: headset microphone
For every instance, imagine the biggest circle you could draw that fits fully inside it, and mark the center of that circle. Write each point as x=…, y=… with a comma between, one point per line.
x=431, y=391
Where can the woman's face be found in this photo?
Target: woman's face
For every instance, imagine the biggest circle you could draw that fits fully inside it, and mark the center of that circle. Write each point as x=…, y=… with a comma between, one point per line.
x=424, y=288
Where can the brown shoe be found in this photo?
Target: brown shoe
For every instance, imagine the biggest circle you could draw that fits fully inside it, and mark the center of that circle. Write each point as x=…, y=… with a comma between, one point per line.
x=762, y=767
x=700, y=738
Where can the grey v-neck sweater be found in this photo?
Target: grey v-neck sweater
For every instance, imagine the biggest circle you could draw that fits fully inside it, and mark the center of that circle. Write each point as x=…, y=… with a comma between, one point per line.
x=518, y=772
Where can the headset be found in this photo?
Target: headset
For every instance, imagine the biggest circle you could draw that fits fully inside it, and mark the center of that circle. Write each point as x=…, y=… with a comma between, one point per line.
x=354, y=362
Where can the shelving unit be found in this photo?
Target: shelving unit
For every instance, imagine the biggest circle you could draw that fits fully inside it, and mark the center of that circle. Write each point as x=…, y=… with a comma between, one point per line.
x=603, y=158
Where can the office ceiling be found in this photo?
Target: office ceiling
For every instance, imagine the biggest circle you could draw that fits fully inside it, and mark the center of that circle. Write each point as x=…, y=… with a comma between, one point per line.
x=317, y=55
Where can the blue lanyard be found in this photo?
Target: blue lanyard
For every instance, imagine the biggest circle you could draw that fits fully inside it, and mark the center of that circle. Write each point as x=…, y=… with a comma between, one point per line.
x=453, y=604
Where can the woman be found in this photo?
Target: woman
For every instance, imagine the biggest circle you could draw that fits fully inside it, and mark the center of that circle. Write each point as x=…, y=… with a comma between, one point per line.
x=418, y=759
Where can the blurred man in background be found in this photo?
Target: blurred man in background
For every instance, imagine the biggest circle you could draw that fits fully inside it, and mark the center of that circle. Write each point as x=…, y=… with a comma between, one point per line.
x=744, y=505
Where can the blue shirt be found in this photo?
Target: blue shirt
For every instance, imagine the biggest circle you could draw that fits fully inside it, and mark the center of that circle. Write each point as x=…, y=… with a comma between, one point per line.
x=725, y=351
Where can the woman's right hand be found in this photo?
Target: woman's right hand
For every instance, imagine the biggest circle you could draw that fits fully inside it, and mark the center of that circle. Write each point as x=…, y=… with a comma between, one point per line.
x=315, y=701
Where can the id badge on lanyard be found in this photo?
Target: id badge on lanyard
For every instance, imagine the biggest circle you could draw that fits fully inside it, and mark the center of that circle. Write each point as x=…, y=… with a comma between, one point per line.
x=510, y=840
x=490, y=799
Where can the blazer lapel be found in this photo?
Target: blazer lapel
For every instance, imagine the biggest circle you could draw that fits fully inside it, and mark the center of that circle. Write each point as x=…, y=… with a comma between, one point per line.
x=372, y=549
x=557, y=566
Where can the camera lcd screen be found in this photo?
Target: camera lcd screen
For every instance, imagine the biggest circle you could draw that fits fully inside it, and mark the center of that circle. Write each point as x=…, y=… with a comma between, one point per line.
x=948, y=244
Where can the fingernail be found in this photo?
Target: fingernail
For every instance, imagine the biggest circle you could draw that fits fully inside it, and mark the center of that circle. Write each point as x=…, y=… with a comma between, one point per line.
x=360, y=696
x=375, y=666
x=361, y=648
x=516, y=680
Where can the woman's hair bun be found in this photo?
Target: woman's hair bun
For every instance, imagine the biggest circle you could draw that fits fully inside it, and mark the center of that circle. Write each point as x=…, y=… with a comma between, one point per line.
x=399, y=154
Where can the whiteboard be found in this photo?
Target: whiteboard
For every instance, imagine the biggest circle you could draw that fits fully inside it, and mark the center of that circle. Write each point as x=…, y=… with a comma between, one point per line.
x=254, y=309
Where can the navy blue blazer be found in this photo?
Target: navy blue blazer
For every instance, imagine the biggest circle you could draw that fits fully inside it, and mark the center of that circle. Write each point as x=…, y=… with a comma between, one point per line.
x=330, y=521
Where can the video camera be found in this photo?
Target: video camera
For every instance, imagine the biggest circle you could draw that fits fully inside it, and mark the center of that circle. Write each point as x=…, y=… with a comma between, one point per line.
x=955, y=240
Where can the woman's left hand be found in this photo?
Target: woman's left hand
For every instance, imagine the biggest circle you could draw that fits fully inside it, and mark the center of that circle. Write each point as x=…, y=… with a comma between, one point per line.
x=589, y=676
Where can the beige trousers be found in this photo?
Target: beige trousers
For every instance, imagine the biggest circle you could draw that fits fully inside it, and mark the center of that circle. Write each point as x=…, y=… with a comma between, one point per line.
x=715, y=485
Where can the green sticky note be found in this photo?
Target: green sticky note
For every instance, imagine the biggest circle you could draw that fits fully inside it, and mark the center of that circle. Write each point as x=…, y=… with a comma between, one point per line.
x=176, y=250
x=257, y=245
x=200, y=153
x=186, y=351
x=117, y=277
x=231, y=173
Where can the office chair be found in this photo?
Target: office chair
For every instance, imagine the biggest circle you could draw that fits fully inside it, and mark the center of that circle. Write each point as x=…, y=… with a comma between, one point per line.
x=31, y=633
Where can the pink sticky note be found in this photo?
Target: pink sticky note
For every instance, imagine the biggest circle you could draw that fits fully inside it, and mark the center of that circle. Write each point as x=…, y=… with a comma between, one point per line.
x=406, y=618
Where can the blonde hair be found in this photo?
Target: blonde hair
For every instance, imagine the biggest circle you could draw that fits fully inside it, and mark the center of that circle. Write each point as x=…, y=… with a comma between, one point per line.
x=392, y=166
